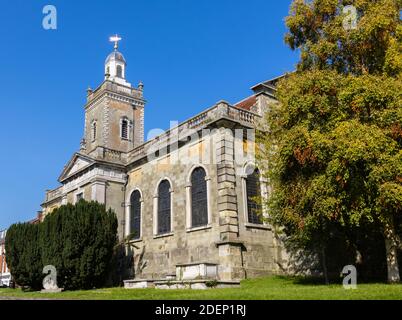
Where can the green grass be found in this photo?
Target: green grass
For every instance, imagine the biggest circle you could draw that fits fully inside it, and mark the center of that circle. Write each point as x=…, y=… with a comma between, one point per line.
x=270, y=288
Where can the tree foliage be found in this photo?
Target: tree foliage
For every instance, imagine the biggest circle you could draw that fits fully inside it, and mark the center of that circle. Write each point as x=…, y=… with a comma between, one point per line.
x=334, y=144
x=317, y=28
x=23, y=255
x=77, y=239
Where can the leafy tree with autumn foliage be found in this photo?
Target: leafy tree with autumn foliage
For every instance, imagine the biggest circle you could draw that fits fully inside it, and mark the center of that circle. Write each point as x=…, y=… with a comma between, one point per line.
x=333, y=148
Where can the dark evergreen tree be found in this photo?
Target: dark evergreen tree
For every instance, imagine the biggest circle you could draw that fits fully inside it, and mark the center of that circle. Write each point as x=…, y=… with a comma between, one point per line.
x=78, y=240
x=23, y=255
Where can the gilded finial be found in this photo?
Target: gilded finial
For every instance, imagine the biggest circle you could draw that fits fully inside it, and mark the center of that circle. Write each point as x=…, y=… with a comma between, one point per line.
x=116, y=40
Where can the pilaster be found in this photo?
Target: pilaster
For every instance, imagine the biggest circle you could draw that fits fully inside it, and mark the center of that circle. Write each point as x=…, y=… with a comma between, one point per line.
x=230, y=249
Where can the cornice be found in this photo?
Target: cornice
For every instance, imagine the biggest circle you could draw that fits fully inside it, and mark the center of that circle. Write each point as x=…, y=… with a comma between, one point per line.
x=137, y=102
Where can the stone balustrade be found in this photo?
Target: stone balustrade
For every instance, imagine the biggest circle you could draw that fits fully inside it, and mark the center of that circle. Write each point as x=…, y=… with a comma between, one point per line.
x=179, y=133
x=220, y=110
x=54, y=194
x=112, y=155
x=112, y=87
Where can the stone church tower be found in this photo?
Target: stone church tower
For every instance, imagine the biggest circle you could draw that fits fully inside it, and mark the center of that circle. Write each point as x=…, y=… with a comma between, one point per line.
x=114, y=126
x=114, y=112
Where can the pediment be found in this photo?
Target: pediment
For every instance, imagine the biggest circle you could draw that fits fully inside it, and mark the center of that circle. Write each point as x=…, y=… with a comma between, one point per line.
x=76, y=164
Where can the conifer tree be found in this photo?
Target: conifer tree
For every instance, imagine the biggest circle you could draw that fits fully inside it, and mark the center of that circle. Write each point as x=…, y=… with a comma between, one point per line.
x=78, y=240
x=23, y=255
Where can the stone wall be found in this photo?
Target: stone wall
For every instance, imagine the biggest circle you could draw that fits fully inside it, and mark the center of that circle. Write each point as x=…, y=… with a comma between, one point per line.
x=50, y=207
x=115, y=200
x=182, y=245
x=239, y=249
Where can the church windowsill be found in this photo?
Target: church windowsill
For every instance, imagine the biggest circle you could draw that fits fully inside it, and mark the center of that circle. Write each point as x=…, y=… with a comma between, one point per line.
x=194, y=229
x=163, y=235
x=135, y=240
x=257, y=226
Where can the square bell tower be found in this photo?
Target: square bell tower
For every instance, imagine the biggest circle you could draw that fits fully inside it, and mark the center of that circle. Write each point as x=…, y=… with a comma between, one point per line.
x=114, y=112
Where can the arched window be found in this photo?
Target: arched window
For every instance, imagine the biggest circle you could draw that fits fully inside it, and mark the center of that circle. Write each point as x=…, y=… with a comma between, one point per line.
x=119, y=71
x=125, y=129
x=93, y=131
x=135, y=214
x=199, y=198
x=164, y=208
x=253, y=192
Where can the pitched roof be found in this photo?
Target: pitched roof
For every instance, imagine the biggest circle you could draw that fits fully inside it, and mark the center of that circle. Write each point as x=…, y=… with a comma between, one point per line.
x=76, y=163
x=247, y=104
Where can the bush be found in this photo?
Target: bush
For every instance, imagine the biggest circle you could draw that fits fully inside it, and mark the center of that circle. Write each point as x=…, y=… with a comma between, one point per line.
x=23, y=255
x=77, y=239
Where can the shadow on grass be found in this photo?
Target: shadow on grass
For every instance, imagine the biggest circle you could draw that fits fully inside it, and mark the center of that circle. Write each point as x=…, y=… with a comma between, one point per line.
x=304, y=280
x=320, y=281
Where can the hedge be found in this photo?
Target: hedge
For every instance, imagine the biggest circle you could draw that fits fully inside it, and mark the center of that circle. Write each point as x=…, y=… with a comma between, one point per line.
x=77, y=239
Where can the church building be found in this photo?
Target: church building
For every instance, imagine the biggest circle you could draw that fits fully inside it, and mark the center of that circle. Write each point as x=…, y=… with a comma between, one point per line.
x=187, y=198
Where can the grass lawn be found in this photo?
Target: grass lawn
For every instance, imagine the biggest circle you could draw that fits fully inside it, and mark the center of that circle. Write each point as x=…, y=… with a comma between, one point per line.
x=270, y=288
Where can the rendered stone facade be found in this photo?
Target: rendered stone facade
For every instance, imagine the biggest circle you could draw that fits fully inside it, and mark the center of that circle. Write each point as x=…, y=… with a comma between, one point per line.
x=109, y=168
x=5, y=276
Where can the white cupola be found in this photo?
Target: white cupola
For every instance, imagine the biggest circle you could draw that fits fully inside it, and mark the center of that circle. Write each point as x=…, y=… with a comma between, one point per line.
x=115, y=65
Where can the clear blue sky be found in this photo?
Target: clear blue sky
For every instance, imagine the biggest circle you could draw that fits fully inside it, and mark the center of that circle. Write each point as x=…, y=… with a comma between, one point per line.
x=189, y=54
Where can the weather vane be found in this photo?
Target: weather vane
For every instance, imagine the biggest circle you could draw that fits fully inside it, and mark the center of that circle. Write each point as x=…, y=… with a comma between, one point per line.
x=116, y=40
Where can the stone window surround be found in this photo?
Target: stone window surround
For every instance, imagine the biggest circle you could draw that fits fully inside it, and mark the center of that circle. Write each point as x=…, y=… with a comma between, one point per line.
x=128, y=215
x=264, y=195
x=155, y=210
x=129, y=128
x=77, y=193
x=119, y=71
x=188, y=186
x=163, y=235
x=94, y=129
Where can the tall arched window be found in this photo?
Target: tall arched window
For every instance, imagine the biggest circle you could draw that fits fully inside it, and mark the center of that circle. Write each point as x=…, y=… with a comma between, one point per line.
x=253, y=192
x=135, y=214
x=119, y=71
x=164, y=208
x=199, y=198
x=125, y=129
x=93, y=130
